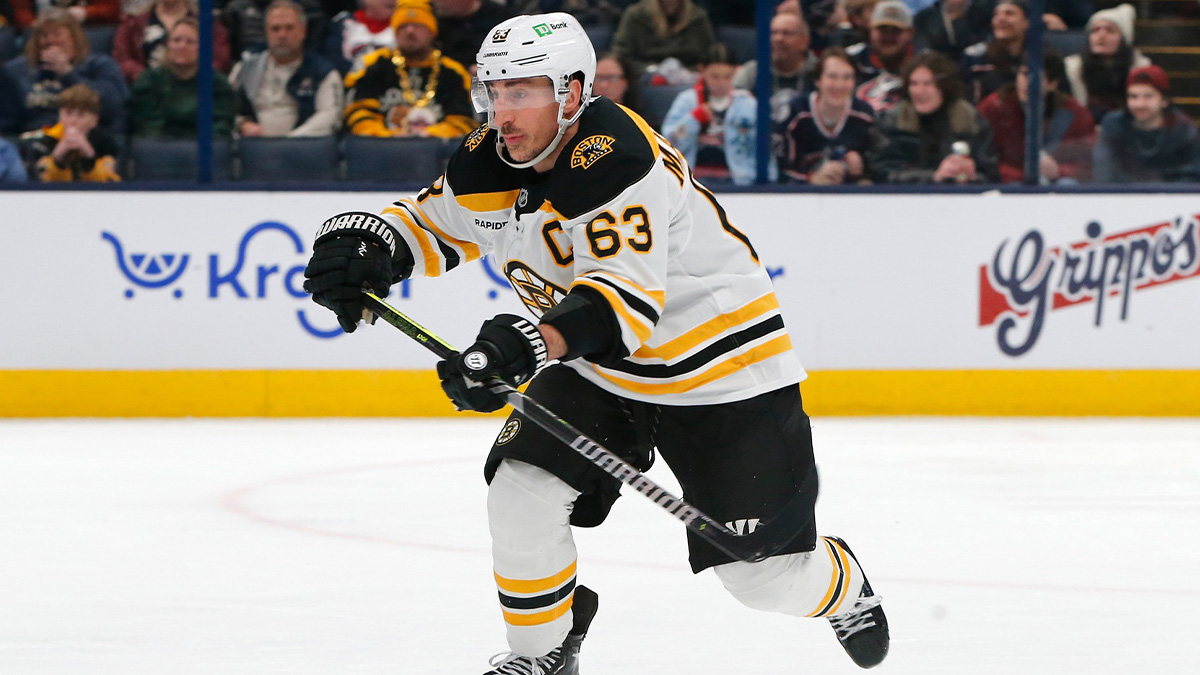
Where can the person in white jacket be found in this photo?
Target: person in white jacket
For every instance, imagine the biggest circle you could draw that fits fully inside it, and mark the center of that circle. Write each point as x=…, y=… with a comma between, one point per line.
x=713, y=124
x=1097, y=74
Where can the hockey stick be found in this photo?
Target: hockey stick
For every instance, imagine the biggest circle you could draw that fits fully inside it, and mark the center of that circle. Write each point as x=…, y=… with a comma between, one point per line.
x=766, y=540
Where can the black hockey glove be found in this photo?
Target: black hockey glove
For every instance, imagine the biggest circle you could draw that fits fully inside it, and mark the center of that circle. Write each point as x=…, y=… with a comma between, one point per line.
x=507, y=346
x=352, y=251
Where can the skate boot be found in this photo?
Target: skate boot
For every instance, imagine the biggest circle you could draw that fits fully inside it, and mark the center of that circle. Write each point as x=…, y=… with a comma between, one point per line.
x=863, y=631
x=562, y=660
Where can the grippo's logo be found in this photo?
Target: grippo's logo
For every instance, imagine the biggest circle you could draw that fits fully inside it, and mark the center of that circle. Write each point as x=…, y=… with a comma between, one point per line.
x=1026, y=282
x=154, y=271
x=591, y=149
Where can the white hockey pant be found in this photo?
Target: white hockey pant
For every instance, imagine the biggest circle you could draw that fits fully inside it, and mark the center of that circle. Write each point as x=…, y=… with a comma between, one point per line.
x=823, y=582
x=533, y=555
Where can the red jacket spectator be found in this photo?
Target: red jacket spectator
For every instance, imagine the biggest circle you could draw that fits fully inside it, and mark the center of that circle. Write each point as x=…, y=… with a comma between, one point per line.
x=142, y=38
x=1068, y=133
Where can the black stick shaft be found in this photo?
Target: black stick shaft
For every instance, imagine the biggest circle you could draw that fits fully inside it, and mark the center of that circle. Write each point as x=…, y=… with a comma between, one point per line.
x=762, y=543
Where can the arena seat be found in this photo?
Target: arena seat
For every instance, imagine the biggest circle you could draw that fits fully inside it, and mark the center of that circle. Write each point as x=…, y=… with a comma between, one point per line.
x=395, y=160
x=162, y=159
x=741, y=41
x=655, y=100
x=101, y=38
x=269, y=160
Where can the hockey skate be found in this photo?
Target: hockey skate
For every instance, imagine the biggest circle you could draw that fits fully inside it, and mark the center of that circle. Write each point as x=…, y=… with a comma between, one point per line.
x=863, y=631
x=562, y=660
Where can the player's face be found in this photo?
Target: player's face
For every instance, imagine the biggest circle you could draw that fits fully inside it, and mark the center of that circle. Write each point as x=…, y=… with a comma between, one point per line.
x=1105, y=38
x=525, y=115
x=1146, y=104
x=837, y=80
x=922, y=89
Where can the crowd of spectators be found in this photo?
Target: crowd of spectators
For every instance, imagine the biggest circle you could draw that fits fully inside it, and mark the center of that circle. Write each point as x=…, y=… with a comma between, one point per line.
x=862, y=91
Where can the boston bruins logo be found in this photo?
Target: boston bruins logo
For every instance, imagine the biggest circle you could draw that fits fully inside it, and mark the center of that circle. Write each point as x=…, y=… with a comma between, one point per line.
x=538, y=294
x=476, y=137
x=509, y=432
x=591, y=149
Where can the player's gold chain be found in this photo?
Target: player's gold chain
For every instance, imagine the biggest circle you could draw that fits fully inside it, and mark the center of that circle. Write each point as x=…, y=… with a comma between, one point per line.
x=406, y=80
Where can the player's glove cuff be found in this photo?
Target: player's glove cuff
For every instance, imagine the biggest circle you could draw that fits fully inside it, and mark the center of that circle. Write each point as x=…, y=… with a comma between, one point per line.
x=508, y=346
x=359, y=224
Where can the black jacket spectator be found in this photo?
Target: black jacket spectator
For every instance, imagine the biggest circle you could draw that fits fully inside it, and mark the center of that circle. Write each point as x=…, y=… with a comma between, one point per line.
x=950, y=36
x=807, y=143
x=1127, y=154
x=462, y=31
x=246, y=23
x=647, y=36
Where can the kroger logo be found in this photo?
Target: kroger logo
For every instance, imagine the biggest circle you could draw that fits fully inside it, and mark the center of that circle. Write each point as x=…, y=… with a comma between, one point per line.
x=1028, y=281
x=236, y=277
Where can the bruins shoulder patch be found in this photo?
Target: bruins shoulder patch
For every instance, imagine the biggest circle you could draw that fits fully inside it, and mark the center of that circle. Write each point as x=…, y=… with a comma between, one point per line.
x=591, y=149
x=509, y=432
x=476, y=137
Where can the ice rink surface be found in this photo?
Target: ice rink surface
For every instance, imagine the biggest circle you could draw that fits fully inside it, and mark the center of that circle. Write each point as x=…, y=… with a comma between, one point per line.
x=360, y=546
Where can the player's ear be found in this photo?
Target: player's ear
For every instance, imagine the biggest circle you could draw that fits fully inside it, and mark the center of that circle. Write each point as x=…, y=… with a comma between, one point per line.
x=575, y=97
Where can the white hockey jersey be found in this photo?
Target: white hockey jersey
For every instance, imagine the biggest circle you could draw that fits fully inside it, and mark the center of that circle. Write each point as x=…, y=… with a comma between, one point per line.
x=620, y=213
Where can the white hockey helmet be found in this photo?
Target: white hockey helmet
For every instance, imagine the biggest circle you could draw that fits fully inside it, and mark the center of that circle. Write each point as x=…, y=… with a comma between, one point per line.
x=550, y=45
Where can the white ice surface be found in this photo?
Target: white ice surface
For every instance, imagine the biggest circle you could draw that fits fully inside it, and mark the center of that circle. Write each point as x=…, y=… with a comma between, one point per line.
x=360, y=546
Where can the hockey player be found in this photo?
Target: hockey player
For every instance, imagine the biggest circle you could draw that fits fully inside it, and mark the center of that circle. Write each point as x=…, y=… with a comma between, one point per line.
x=657, y=328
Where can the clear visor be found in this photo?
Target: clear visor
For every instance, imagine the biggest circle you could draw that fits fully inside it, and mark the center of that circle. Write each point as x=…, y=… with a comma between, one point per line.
x=520, y=94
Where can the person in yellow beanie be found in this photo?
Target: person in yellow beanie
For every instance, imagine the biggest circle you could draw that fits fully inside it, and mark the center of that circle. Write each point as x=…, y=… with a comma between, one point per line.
x=412, y=90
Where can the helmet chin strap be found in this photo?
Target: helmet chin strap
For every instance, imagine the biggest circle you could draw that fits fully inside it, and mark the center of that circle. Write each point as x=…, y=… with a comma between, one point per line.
x=562, y=129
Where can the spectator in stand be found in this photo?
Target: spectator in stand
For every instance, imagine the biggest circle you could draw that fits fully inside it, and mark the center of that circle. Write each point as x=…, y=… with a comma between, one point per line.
x=654, y=30
x=713, y=124
x=1098, y=74
x=245, y=21
x=1149, y=141
x=56, y=57
x=86, y=12
x=826, y=135
x=8, y=31
x=987, y=66
x=11, y=110
x=950, y=26
x=286, y=90
x=610, y=82
x=589, y=12
x=12, y=169
x=792, y=62
x=141, y=38
x=353, y=35
x=933, y=135
x=412, y=90
x=166, y=98
x=1068, y=130
x=879, y=61
x=75, y=148
x=851, y=24
x=463, y=25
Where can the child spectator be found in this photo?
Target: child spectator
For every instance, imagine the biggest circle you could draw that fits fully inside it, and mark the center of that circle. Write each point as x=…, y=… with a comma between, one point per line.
x=827, y=134
x=933, y=135
x=1067, y=129
x=1097, y=74
x=713, y=124
x=75, y=148
x=12, y=170
x=166, y=98
x=879, y=60
x=286, y=90
x=412, y=90
x=141, y=38
x=356, y=34
x=1150, y=140
x=654, y=30
x=56, y=57
x=987, y=66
